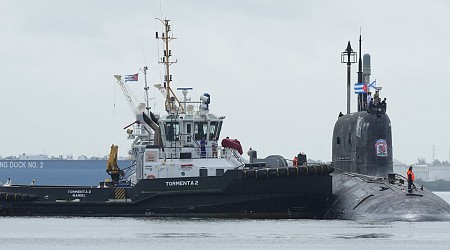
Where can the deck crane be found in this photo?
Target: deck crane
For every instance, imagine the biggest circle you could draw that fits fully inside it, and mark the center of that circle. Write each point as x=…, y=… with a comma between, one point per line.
x=126, y=93
x=146, y=126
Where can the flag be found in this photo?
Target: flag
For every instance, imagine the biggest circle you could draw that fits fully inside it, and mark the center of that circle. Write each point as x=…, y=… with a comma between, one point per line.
x=373, y=84
x=131, y=78
x=360, y=88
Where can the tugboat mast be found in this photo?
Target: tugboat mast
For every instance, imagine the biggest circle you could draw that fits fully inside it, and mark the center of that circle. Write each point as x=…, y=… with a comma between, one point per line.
x=170, y=96
x=147, y=106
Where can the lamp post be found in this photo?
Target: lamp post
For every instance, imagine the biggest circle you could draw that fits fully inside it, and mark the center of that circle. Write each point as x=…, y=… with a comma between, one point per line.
x=349, y=57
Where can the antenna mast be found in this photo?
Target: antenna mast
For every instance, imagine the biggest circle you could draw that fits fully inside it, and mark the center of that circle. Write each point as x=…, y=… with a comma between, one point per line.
x=361, y=97
x=170, y=96
x=147, y=107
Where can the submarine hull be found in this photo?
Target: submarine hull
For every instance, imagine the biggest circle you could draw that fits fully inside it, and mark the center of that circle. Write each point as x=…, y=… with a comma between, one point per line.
x=360, y=197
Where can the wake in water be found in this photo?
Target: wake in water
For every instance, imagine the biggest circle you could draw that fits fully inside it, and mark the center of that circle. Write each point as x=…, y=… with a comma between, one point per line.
x=406, y=217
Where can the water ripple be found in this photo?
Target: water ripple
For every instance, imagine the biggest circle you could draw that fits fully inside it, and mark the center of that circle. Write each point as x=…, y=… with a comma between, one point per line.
x=366, y=236
x=182, y=235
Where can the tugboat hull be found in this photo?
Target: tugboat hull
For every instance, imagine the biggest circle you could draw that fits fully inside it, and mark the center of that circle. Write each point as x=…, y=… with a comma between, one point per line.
x=230, y=195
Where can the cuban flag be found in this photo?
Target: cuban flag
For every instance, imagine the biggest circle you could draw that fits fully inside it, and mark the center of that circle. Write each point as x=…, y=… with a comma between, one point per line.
x=131, y=78
x=360, y=88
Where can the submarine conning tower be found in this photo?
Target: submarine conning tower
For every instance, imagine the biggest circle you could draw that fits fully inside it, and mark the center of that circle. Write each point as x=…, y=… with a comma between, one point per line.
x=362, y=141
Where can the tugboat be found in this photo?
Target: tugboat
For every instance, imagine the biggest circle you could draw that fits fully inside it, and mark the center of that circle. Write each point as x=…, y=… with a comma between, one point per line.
x=180, y=170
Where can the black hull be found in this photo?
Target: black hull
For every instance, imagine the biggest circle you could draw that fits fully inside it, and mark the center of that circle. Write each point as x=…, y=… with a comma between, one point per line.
x=266, y=206
x=357, y=197
x=230, y=196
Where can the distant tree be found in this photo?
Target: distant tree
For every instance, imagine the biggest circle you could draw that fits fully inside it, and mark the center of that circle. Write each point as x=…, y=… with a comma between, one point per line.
x=436, y=162
x=421, y=160
x=437, y=185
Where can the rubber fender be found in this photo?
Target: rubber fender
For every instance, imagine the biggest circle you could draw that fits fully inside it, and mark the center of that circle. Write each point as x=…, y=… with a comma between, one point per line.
x=303, y=170
x=250, y=174
x=272, y=172
x=17, y=197
x=293, y=171
x=283, y=172
x=261, y=173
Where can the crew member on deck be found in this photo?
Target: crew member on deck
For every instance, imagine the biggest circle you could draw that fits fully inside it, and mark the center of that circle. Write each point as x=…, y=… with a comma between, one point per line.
x=376, y=97
x=203, y=148
x=214, y=148
x=295, y=161
x=410, y=176
x=369, y=99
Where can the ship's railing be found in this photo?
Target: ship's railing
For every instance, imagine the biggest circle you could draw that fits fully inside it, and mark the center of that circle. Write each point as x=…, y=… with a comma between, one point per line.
x=186, y=143
x=141, y=130
x=191, y=107
x=222, y=152
x=174, y=152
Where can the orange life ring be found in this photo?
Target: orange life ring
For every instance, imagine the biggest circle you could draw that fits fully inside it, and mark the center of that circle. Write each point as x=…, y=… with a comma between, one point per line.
x=151, y=176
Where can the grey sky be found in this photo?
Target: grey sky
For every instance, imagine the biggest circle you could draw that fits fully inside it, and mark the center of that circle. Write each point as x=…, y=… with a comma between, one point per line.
x=272, y=67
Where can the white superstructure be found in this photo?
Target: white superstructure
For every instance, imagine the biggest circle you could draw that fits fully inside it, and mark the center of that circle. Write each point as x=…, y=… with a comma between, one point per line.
x=185, y=141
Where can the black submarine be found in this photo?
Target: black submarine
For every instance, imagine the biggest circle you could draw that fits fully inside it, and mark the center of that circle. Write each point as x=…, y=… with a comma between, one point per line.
x=365, y=186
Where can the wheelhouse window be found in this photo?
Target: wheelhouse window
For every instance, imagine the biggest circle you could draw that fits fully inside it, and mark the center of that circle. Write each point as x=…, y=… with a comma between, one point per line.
x=189, y=132
x=188, y=128
x=200, y=130
x=172, y=130
x=219, y=129
x=213, y=128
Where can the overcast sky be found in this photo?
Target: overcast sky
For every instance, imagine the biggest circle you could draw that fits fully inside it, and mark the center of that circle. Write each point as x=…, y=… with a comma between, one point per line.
x=271, y=67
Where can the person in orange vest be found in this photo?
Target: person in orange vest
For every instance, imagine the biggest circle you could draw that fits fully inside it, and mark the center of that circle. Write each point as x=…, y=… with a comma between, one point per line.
x=295, y=161
x=410, y=176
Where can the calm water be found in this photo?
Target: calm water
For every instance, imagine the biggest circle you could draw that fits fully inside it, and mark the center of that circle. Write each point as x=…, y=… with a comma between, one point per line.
x=125, y=233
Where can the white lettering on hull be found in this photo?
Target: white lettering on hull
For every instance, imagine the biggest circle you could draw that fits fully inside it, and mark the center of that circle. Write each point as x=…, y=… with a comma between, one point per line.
x=181, y=183
x=78, y=193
